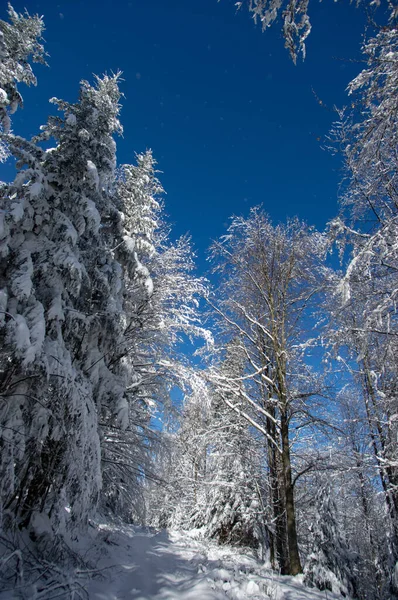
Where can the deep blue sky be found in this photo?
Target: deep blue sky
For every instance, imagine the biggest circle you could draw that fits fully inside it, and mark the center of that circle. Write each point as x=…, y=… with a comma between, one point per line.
x=231, y=121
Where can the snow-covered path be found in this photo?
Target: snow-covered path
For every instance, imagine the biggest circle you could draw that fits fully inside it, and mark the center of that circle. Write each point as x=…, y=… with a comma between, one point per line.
x=142, y=565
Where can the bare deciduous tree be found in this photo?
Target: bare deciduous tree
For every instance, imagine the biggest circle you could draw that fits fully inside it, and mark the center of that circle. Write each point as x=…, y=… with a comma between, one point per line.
x=270, y=277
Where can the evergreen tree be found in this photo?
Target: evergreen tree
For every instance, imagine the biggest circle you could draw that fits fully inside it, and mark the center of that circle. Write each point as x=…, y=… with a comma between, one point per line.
x=160, y=304
x=62, y=311
x=330, y=565
x=19, y=42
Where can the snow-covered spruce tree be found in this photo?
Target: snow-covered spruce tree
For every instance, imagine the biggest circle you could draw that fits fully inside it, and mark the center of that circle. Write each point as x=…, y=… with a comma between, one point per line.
x=19, y=43
x=125, y=435
x=62, y=313
x=330, y=564
x=139, y=195
x=166, y=307
x=160, y=301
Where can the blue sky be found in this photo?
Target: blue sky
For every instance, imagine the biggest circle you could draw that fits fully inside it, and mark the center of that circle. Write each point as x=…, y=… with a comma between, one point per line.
x=231, y=121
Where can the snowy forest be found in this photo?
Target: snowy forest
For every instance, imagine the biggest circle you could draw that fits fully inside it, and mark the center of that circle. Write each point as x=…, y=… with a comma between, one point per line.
x=254, y=409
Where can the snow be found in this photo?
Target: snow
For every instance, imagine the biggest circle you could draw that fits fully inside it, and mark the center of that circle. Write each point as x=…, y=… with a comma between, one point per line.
x=122, y=411
x=143, y=274
x=92, y=215
x=22, y=284
x=6, y=122
x=3, y=303
x=148, y=284
x=71, y=119
x=56, y=310
x=35, y=189
x=13, y=107
x=40, y=524
x=17, y=210
x=2, y=224
x=93, y=173
x=129, y=243
x=22, y=334
x=145, y=564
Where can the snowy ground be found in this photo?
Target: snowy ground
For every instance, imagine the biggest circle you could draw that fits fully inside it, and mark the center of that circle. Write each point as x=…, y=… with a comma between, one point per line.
x=146, y=565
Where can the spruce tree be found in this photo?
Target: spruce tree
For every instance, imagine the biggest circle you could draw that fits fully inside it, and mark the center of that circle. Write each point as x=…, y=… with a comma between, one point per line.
x=330, y=565
x=61, y=310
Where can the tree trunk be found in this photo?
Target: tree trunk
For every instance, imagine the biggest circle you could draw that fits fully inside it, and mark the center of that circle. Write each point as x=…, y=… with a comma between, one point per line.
x=278, y=503
x=279, y=549
x=294, y=557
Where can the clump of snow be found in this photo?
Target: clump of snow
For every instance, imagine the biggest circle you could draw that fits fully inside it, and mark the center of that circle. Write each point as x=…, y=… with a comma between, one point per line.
x=13, y=107
x=6, y=122
x=71, y=120
x=22, y=283
x=84, y=135
x=122, y=411
x=35, y=189
x=17, y=210
x=40, y=524
x=143, y=275
x=148, y=284
x=22, y=334
x=55, y=311
x=92, y=215
x=252, y=588
x=93, y=173
x=129, y=243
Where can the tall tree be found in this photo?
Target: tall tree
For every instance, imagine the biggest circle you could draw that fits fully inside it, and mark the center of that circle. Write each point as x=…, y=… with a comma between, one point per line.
x=365, y=319
x=269, y=278
x=160, y=304
x=60, y=310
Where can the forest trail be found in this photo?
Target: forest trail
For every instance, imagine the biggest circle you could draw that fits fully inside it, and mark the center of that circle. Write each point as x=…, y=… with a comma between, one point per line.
x=147, y=565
